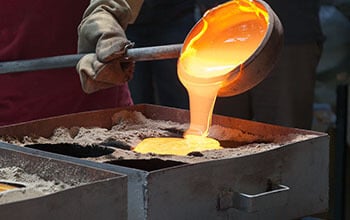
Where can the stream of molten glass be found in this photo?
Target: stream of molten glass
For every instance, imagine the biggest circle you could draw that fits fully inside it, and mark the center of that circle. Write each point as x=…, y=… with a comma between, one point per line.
x=222, y=40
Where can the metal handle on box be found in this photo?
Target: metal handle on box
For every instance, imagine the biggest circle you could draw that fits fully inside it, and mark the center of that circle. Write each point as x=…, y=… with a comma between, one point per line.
x=278, y=196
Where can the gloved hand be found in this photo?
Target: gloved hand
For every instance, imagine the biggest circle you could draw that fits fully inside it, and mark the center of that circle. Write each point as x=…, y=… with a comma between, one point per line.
x=102, y=32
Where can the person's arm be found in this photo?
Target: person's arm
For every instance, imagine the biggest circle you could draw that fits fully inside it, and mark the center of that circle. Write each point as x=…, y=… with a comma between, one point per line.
x=101, y=33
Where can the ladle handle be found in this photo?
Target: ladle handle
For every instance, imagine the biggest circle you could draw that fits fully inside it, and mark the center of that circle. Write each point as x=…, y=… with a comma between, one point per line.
x=56, y=62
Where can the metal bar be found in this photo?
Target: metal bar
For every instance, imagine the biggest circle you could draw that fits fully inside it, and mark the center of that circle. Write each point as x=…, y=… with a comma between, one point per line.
x=340, y=152
x=64, y=61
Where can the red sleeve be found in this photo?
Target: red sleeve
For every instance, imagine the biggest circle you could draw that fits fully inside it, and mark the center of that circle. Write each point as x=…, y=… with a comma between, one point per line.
x=41, y=28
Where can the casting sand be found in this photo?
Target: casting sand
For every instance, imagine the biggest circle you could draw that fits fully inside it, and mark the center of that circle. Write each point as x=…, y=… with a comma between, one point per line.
x=131, y=127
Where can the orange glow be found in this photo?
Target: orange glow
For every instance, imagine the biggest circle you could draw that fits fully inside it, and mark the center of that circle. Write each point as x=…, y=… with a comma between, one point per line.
x=177, y=146
x=222, y=40
x=5, y=187
x=225, y=37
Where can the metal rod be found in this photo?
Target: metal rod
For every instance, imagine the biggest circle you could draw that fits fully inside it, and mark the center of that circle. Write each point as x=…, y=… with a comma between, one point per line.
x=340, y=152
x=56, y=62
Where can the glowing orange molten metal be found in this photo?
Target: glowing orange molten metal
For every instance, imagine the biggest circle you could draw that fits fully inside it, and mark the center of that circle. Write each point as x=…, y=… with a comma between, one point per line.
x=222, y=40
x=177, y=146
x=5, y=187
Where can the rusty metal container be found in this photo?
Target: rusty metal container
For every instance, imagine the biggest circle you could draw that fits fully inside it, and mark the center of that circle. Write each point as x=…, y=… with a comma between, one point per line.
x=93, y=194
x=287, y=182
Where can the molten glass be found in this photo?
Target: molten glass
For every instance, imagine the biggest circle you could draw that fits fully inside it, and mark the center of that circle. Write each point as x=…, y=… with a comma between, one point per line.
x=222, y=40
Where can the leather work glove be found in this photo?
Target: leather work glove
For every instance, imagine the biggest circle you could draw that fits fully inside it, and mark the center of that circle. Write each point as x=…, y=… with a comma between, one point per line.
x=101, y=34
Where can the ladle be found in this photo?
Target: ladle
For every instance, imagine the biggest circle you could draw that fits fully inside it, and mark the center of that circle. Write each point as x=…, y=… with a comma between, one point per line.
x=224, y=25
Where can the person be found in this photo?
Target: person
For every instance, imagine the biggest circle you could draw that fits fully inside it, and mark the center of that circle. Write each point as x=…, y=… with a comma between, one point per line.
x=41, y=28
x=160, y=23
x=286, y=96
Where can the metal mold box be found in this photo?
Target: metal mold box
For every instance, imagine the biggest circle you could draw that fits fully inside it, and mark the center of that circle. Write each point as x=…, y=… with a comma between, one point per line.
x=94, y=193
x=288, y=182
